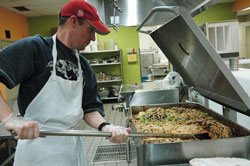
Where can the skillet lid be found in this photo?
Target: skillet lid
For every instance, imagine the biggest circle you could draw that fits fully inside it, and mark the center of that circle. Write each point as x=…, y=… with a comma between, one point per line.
x=191, y=54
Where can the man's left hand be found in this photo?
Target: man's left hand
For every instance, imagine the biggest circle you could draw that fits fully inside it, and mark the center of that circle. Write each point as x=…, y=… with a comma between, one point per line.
x=119, y=133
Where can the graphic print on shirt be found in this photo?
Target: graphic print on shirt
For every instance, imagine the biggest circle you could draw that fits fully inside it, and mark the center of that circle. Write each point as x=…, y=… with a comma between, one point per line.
x=65, y=69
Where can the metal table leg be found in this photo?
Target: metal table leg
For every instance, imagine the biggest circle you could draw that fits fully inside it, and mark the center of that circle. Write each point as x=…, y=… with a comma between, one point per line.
x=8, y=160
x=128, y=150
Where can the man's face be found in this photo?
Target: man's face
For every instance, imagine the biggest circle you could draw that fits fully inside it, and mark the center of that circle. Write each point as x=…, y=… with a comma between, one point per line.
x=85, y=33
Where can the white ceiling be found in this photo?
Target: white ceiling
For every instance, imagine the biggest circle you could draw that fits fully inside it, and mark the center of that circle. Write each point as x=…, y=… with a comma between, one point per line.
x=42, y=7
x=37, y=7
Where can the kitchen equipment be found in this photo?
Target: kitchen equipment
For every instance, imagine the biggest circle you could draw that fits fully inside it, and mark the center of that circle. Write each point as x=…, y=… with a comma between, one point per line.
x=101, y=45
x=103, y=92
x=140, y=8
x=116, y=77
x=143, y=97
x=193, y=57
x=103, y=76
x=95, y=61
x=182, y=152
x=93, y=133
x=111, y=44
x=197, y=62
x=148, y=93
x=158, y=71
x=114, y=90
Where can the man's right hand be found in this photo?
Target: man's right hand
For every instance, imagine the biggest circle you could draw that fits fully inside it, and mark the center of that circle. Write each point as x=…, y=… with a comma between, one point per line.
x=24, y=129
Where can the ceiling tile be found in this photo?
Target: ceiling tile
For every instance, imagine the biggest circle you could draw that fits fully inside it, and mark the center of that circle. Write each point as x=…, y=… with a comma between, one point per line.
x=21, y=0
x=7, y=4
x=29, y=13
x=6, y=1
x=49, y=10
x=39, y=7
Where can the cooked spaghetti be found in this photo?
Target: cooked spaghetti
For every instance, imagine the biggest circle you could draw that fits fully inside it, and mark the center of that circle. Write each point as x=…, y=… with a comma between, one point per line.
x=178, y=120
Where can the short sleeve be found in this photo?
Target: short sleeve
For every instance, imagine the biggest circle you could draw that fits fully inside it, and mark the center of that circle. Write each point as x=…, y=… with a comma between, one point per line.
x=16, y=63
x=91, y=100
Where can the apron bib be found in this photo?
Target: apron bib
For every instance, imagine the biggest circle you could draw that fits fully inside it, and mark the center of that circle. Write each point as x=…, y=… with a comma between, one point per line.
x=57, y=106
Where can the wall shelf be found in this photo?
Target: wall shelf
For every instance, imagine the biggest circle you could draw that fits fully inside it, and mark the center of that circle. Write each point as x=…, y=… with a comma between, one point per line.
x=106, y=64
x=97, y=52
x=105, y=72
x=109, y=81
x=109, y=98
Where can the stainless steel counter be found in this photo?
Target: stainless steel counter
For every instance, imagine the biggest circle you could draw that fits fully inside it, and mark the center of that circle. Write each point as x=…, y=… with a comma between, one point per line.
x=146, y=86
x=149, y=93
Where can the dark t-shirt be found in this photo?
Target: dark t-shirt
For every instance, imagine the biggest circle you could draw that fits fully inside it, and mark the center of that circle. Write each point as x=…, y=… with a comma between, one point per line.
x=29, y=62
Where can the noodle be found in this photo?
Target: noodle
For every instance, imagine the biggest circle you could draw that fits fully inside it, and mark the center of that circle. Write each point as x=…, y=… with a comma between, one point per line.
x=178, y=120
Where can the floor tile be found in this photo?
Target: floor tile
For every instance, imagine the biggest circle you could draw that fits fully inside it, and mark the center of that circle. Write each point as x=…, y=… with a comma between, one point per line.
x=91, y=143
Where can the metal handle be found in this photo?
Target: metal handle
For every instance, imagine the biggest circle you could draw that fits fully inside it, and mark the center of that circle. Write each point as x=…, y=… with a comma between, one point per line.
x=171, y=9
x=76, y=133
x=109, y=134
x=82, y=133
x=71, y=133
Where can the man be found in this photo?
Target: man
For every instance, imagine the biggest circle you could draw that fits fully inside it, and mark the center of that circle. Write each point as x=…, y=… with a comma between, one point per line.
x=57, y=90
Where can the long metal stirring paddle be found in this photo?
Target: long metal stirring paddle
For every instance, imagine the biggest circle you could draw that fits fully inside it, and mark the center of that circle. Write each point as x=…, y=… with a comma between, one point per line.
x=94, y=133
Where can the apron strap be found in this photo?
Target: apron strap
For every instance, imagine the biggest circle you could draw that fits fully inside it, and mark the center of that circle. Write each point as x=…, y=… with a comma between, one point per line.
x=79, y=65
x=54, y=54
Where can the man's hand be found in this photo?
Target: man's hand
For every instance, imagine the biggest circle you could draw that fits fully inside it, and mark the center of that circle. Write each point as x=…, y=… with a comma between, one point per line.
x=119, y=134
x=24, y=129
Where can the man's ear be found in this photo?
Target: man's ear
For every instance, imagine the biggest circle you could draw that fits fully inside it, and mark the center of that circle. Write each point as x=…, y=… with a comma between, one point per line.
x=73, y=20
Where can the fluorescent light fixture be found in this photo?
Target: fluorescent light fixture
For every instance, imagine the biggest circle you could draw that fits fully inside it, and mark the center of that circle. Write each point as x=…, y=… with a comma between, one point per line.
x=132, y=12
x=245, y=9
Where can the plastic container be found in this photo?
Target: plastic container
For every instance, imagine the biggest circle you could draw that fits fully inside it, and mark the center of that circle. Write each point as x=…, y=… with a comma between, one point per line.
x=111, y=44
x=103, y=92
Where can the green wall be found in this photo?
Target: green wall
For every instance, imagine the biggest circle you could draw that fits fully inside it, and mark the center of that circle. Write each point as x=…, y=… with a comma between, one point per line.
x=218, y=12
x=126, y=37
x=42, y=25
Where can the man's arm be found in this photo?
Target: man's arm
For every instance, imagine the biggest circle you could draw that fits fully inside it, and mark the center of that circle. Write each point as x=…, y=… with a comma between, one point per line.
x=5, y=110
x=24, y=129
x=93, y=119
x=119, y=134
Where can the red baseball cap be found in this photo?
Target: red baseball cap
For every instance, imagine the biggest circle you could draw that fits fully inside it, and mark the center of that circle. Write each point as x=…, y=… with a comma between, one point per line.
x=83, y=9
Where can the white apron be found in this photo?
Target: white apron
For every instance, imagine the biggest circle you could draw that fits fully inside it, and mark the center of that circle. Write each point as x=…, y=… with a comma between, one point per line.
x=57, y=106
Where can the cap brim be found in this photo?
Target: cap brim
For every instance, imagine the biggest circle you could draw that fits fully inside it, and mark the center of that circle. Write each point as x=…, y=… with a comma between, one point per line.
x=99, y=27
